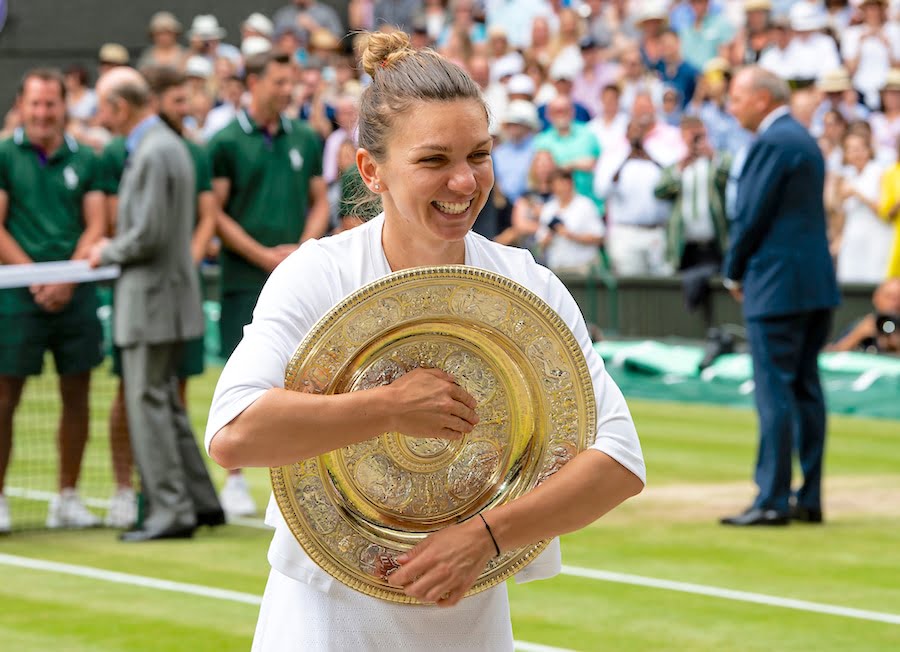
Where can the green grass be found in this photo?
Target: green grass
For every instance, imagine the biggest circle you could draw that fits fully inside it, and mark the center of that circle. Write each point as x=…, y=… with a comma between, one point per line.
x=699, y=461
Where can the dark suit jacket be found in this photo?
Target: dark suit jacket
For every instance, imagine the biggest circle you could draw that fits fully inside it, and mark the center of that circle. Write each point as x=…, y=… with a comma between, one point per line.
x=779, y=248
x=157, y=297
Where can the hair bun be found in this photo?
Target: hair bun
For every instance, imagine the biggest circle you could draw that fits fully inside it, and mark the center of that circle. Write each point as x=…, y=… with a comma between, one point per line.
x=383, y=50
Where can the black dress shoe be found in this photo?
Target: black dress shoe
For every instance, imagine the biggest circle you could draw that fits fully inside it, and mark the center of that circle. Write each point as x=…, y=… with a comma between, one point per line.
x=757, y=516
x=176, y=532
x=806, y=514
x=212, y=518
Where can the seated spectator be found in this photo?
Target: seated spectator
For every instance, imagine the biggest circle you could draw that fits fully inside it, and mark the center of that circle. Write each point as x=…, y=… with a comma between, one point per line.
x=889, y=211
x=709, y=104
x=512, y=157
x=636, y=79
x=205, y=40
x=662, y=142
x=876, y=332
x=886, y=124
x=610, y=122
x=810, y=53
x=595, y=75
x=636, y=218
x=526, y=211
x=307, y=16
x=232, y=94
x=462, y=21
x=565, y=45
x=164, y=30
x=573, y=146
x=571, y=229
x=870, y=48
x=774, y=56
x=562, y=75
x=110, y=56
x=864, y=243
x=698, y=228
x=650, y=20
x=839, y=95
x=706, y=37
x=256, y=25
x=673, y=69
x=670, y=112
x=750, y=42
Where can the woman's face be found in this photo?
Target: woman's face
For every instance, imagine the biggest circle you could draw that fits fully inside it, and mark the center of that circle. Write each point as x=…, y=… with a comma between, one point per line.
x=438, y=173
x=834, y=128
x=856, y=151
x=891, y=100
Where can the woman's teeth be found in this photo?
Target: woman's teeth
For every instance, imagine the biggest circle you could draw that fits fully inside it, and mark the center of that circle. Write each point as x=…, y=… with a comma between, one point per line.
x=453, y=209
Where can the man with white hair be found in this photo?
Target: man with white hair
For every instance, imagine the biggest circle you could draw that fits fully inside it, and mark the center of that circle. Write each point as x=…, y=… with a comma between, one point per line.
x=158, y=308
x=512, y=157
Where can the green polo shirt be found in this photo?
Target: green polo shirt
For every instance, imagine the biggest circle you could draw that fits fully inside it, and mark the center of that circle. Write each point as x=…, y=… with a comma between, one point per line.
x=46, y=194
x=580, y=143
x=269, y=196
x=112, y=165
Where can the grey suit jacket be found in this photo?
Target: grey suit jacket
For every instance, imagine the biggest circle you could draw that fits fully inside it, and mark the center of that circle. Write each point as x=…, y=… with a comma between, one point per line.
x=157, y=297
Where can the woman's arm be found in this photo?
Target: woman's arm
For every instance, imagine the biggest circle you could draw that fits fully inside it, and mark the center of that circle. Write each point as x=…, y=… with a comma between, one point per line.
x=282, y=427
x=448, y=563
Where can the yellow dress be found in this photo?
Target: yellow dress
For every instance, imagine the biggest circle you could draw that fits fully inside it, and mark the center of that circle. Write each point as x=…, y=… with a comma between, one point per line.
x=890, y=197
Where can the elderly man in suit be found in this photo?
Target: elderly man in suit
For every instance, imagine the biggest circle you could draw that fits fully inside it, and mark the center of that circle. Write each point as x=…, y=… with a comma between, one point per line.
x=157, y=301
x=779, y=267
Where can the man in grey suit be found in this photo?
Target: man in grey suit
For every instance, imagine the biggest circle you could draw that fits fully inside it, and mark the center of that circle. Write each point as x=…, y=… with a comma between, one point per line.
x=157, y=307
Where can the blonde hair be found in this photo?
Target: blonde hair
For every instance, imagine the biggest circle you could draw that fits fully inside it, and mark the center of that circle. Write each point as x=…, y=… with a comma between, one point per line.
x=402, y=76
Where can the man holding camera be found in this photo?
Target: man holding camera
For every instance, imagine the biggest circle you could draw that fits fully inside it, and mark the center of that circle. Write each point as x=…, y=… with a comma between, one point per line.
x=626, y=178
x=697, y=231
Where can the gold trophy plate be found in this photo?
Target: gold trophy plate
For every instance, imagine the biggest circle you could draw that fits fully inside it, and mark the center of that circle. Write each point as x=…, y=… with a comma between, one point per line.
x=355, y=509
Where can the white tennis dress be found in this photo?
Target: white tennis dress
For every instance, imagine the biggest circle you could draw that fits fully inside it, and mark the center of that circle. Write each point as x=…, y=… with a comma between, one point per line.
x=304, y=608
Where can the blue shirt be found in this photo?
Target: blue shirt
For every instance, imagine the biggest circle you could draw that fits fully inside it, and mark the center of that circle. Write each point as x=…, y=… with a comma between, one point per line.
x=511, y=163
x=684, y=80
x=136, y=135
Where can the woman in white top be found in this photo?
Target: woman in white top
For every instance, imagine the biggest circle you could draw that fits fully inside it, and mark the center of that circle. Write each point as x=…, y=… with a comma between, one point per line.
x=571, y=228
x=865, y=241
x=870, y=49
x=425, y=149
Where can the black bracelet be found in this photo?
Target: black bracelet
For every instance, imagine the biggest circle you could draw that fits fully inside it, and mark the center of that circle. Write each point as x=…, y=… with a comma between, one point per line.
x=491, y=534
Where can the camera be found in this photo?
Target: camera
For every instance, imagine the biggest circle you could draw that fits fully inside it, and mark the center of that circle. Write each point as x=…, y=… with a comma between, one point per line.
x=555, y=223
x=886, y=324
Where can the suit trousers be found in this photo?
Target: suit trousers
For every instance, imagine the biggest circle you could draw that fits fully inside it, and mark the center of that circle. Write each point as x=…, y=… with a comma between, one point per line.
x=790, y=404
x=174, y=479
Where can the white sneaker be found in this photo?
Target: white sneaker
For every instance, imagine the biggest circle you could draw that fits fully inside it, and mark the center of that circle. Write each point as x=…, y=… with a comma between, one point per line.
x=5, y=521
x=122, y=512
x=68, y=511
x=235, y=497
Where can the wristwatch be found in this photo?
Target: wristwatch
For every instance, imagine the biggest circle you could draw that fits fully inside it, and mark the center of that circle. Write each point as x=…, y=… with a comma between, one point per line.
x=731, y=284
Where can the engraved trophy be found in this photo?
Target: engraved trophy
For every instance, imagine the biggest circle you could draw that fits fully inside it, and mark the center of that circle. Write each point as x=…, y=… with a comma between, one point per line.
x=355, y=509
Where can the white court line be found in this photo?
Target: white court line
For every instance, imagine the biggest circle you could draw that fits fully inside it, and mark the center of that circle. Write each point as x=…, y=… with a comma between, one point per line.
x=177, y=587
x=620, y=578
x=728, y=594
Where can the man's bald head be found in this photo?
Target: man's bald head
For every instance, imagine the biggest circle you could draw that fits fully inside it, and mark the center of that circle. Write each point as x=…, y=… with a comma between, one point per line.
x=887, y=297
x=123, y=99
x=125, y=83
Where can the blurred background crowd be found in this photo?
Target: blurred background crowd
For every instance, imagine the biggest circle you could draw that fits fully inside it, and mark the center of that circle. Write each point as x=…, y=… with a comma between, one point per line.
x=613, y=139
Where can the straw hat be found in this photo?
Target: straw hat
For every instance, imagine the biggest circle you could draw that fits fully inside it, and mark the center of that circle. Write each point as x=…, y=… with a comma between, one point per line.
x=206, y=27
x=835, y=81
x=757, y=5
x=113, y=53
x=892, y=82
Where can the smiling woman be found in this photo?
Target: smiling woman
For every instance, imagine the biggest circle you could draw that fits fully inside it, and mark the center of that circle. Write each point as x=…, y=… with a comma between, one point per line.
x=425, y=149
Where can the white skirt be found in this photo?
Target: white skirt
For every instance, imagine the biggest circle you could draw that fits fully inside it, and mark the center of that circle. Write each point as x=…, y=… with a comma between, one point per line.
x=295, y=617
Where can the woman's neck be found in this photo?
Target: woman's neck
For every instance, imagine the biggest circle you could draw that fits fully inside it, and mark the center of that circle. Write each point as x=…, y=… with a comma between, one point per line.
x=403, y=252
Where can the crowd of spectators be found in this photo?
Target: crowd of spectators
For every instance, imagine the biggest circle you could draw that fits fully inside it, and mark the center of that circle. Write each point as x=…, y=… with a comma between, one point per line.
x=629, y=98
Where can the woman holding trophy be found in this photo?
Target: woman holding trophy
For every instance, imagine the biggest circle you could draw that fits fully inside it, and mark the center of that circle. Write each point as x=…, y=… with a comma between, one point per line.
x=425, y=150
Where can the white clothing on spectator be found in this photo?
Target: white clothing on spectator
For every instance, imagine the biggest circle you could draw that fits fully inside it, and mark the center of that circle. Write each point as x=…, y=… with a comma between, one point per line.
x=516, y=16
x=866, y=240
x=810, y=57
x=580, y=217
x=609, y=134
x=874, y=58
x=217, y=119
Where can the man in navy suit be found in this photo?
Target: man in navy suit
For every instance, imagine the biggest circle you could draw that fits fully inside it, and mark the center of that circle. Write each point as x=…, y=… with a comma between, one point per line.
x=779, y=267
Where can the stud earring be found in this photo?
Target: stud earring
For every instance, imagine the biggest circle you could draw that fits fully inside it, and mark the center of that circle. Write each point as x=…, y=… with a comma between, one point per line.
x=377, y=187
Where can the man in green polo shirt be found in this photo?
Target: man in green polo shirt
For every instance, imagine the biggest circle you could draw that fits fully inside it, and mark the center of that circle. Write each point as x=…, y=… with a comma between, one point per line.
x=50, y=210
x=170, y=92
x=267, y=176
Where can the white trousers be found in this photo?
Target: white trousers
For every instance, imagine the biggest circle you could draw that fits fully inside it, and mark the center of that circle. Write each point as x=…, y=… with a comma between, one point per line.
x=636, y=251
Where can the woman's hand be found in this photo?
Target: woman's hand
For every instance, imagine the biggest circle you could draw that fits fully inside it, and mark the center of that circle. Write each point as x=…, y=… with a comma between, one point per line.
x=446, y=564
x=429, y=403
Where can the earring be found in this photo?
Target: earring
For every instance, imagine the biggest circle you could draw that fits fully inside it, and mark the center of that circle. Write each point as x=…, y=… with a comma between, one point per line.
x=377, y=187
